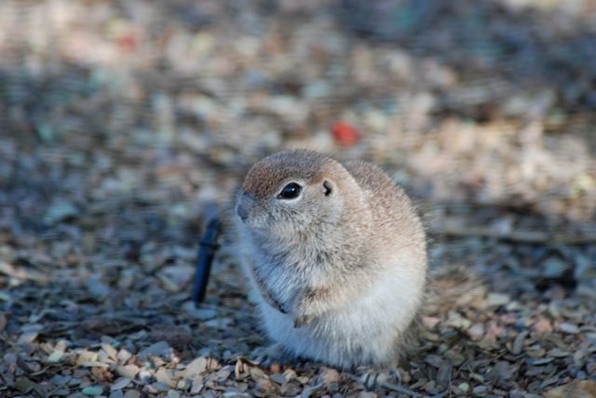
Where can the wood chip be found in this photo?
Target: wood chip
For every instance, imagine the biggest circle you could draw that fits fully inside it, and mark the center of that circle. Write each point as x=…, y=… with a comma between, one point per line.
x=575, y=389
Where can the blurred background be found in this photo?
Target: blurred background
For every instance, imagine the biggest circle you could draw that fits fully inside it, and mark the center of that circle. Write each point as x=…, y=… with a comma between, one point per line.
x=119, y=119
x=139, y=111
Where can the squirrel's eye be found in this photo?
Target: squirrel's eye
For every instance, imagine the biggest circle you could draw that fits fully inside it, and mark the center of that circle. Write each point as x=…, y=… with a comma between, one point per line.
x=290, y=191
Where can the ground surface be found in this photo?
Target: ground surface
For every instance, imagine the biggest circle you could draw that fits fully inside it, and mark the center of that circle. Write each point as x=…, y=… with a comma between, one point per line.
x=118, y=120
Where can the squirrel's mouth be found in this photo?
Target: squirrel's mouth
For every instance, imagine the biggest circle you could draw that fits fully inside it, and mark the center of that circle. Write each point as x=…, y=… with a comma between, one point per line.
x=244, y=206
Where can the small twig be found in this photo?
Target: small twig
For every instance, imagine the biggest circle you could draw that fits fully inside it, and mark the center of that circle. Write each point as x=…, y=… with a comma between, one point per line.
x=399, y=389
x=388, y=386
x=528, y=237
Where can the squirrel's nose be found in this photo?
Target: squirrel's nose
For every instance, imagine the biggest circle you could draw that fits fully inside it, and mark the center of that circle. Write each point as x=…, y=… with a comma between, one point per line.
x=243, y=206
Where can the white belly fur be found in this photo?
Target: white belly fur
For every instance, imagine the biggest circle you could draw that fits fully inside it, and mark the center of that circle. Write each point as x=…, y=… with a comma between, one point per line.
x=364, y=332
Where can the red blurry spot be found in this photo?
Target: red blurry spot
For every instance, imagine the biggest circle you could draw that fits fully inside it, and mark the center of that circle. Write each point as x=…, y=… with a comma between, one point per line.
x=127, y=42
x=344, y=133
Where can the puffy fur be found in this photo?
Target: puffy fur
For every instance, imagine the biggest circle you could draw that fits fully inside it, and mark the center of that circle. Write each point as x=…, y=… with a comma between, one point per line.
x=340, y=269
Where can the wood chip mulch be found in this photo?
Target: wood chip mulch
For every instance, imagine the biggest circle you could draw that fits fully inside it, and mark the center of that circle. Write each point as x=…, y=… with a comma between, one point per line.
x=119, y=120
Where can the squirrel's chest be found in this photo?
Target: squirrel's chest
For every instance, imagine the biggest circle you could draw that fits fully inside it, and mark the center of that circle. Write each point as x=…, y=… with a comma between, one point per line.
x=289, y=272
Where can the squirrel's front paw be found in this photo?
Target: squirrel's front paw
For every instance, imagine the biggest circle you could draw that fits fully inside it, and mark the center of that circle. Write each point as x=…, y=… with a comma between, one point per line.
x=275, y=304
x=303, y=314
x=284, y=308
x=303, y=320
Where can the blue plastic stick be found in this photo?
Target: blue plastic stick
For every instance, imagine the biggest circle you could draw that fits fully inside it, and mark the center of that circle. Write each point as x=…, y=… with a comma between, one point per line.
x=207, y=248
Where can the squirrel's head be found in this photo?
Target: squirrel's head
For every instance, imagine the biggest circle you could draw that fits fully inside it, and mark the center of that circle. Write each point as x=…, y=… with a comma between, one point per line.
x=295, y=191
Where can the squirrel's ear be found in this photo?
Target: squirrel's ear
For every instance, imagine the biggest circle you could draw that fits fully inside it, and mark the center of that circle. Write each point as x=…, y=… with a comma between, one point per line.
x=328, y=188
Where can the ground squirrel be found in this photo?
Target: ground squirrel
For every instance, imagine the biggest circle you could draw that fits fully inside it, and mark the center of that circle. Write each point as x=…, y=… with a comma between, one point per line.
x=337, y=254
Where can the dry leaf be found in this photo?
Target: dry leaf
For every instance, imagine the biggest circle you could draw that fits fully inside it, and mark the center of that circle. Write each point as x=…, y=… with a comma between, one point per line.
x=575, y=389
